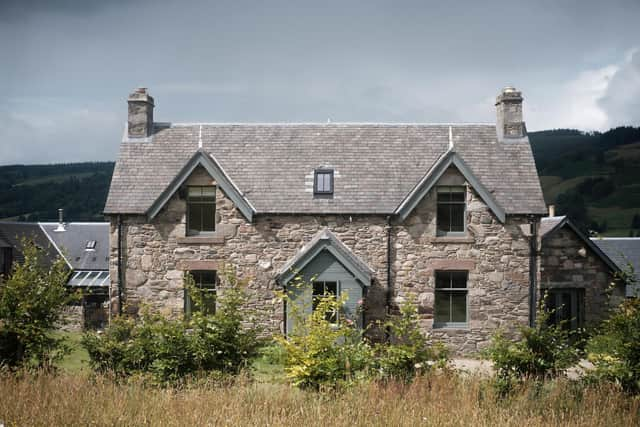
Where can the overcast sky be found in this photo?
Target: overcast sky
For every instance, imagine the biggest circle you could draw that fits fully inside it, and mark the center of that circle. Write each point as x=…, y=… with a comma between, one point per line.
x=67, y=66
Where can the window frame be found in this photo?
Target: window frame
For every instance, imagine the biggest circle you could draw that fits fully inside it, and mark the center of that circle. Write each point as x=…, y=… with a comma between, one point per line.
x=450, y=291
x=197, y=278
x=316, y=174
x=577, y=296
x=189, y=202
x=452, y=189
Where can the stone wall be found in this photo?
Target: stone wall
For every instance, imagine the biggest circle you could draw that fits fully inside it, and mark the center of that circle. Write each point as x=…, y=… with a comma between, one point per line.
x=567, y=262
x=156, y=254
x=72, y=319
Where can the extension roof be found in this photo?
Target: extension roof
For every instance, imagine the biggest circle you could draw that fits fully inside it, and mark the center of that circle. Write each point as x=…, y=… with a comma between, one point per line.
x=72, y=243
x=12, y=235
x=325, y=240
x=623, y=251
x=269, y=167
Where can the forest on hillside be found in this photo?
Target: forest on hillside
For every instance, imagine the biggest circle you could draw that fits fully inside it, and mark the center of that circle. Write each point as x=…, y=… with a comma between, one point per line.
x=593, y=177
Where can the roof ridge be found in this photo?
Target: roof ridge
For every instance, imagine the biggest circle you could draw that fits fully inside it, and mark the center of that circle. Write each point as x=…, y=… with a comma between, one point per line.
x=181, y=124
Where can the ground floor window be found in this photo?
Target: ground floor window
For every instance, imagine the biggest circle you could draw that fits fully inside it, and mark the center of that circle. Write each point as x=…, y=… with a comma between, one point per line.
x=450, y=307
x=321, y=289
x=565, y=307
x=205, y=282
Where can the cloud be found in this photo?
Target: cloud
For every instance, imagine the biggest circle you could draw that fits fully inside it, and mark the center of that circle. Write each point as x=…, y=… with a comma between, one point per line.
x=621, y=99
x=48, y=130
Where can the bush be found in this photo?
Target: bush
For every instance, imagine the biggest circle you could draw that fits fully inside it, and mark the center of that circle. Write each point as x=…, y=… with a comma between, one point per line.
x=32, y=300
x=543, y=351
x=615, y=351
x=331, y=351
x=170, y=350
x=324, y=352
x=408, y=352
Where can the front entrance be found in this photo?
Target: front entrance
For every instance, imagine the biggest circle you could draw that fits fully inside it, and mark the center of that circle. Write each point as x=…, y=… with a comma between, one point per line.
x=566, y=307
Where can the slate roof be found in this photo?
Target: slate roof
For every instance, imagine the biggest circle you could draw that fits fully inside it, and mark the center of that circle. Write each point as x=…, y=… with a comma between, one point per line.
x=376, y=165
x=12, y=234
x=73, y=243
x=623, y=250
x=549, y=224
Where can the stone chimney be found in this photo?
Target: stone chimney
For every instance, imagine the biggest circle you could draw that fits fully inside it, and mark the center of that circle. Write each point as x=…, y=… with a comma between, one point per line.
x=140, y=114
x=509, y=122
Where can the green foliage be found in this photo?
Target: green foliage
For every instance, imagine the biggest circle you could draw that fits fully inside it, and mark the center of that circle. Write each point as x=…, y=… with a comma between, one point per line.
x=32, y=300
x=170, y=350
x=331, y=351
x=324, y=351
x=615, y=351
x=543, y=351
x=408, y=353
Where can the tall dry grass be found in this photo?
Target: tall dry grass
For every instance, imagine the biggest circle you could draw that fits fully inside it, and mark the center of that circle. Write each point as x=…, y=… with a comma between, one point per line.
x=437, y=400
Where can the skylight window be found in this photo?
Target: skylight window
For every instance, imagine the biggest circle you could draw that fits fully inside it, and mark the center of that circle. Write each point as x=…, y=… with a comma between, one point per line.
x=91, y=245
x=323, y=181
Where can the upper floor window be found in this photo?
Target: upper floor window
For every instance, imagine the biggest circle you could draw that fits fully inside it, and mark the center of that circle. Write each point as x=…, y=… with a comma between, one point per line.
x=450, y=307
x=323, y=181
x=205, y=284
x=451, y=210
x=201, y=209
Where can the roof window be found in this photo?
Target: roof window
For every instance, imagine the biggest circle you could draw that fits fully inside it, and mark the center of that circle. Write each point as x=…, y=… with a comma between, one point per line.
x=323, y=182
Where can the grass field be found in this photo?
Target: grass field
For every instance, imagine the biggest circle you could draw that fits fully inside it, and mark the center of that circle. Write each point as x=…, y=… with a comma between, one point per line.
x=440, y=399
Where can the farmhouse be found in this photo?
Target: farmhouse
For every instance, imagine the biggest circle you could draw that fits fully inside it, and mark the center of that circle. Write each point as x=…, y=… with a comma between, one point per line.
x=445, y=214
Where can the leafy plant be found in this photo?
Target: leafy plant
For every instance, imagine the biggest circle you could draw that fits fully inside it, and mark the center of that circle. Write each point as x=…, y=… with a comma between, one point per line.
x=32, y=300
x=408, y=352
x=543, y=351
x=170, y=350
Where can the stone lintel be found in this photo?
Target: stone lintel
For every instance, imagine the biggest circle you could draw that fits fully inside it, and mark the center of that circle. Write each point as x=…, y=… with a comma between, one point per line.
x=204, y=264
x=453, y=264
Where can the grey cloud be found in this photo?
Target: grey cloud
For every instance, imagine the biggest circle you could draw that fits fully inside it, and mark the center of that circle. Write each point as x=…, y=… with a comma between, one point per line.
x=621, y=101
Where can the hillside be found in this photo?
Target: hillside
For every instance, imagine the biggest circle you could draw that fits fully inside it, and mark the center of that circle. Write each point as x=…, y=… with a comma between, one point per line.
x=593, y=177
x=35, y=192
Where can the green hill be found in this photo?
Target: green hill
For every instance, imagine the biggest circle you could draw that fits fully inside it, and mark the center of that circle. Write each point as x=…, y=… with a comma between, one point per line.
x=35, y=192
x=592, y=177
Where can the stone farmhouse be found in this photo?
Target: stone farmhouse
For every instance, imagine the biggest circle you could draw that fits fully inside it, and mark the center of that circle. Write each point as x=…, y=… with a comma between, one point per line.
x=446, y=214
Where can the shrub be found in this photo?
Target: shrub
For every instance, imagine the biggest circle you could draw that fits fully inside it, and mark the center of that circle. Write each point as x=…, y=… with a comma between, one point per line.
x=615, y=351
x=325, y=352
x=32, y=300
x=408, y=352
x=331, y=351
x=170, y=350
x=542, y=351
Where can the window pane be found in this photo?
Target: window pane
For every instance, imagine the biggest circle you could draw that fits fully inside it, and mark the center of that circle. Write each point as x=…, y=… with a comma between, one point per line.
x=459, y=307
x=443, y=280
x=457, y=196
x=195, y=217
x=327, y=182
x=209, y=192
x=441, y=307
x=457, y=217
x=194, y=191
x=208, y=217
x=444, y=220
x=459, y=279
x=444, y=197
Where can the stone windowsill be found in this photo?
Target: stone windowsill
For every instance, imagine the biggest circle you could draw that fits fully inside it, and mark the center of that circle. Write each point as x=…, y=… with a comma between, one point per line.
x=211, y=239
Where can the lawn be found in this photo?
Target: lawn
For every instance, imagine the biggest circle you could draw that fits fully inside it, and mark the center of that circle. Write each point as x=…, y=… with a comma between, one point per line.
x=78, y=359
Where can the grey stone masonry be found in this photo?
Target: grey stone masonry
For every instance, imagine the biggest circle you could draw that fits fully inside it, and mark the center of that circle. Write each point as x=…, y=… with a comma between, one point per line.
x=140, y=121
x=567, y=262
x=157, y=253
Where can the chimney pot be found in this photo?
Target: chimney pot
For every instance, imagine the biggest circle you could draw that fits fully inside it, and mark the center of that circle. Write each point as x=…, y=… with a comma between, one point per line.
x=509, y=123
x=552, y=210
x=140, y=120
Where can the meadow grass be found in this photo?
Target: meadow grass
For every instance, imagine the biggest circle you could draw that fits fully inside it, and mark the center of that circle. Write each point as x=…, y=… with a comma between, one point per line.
x=442, y=399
